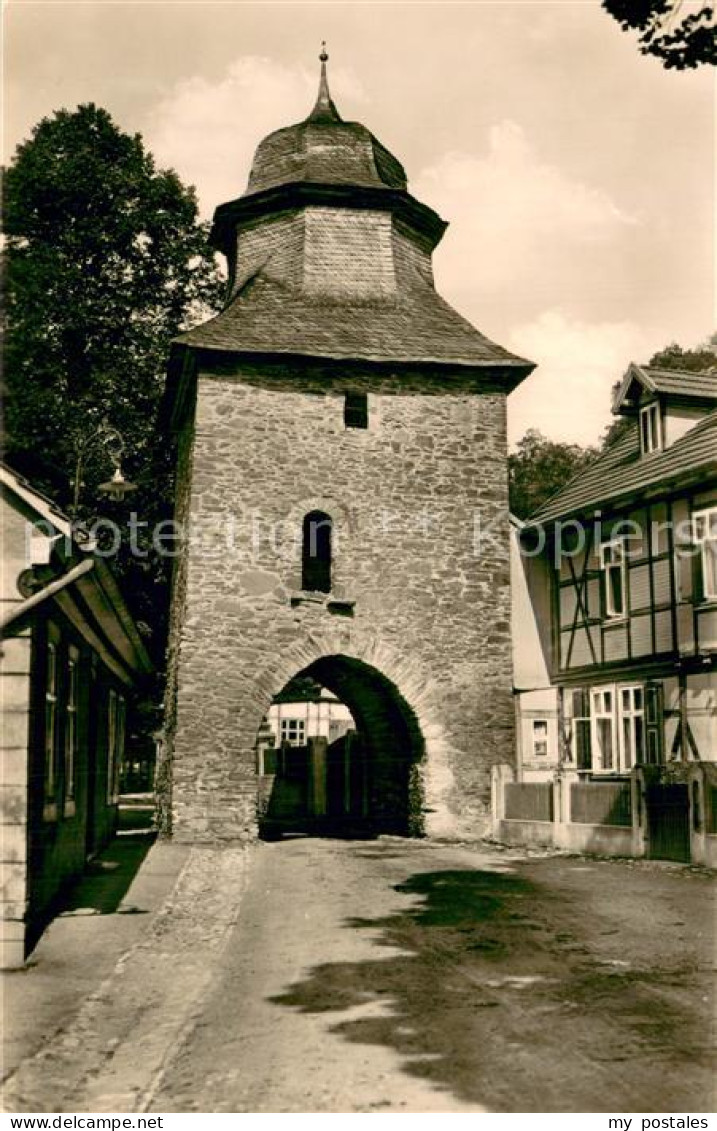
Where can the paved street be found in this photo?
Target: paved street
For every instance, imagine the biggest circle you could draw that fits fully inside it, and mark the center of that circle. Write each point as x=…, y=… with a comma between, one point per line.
x=403, y=976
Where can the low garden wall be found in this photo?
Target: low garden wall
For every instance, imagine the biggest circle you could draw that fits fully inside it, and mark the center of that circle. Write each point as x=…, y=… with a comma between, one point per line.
x=606, y=818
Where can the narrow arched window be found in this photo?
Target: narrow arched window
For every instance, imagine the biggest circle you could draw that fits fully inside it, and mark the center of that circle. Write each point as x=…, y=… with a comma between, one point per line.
x=316, y=553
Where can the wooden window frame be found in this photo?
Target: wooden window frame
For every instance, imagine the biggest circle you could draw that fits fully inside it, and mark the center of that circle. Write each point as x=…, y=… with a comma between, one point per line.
x=632, y=722
x=703, y=537
x=651, y=438
x=299, y=727
x=542, y=739
x=596, y=732
x=630, y=725
x=70, y=737
x=51, y=707
x=116, y=708
x=581, y=728
x=610, y=547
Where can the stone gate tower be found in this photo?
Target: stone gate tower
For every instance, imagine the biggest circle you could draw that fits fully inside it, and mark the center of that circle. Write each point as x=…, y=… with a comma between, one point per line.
x=342, y=472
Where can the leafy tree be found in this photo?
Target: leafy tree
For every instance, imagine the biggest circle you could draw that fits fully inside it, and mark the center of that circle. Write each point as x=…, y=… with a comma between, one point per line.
x=695, y=360
x=105, y=261
x=539, y=468
x=680, y=39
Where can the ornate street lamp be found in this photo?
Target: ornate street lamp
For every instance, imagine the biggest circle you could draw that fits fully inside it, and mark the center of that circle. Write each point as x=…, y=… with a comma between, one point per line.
x=113, y=443
x=117, y=487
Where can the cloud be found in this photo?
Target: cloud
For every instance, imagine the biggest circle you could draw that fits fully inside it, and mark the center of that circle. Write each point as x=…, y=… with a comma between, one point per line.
x=568, y=396
x=517, y=221
x=208, y=130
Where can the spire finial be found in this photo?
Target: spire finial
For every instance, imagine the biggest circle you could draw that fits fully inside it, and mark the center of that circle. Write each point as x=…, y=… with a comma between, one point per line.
x=324, y=110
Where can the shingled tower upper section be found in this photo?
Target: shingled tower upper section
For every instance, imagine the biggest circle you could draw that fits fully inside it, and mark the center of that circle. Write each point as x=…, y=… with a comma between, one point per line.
x=329, y=256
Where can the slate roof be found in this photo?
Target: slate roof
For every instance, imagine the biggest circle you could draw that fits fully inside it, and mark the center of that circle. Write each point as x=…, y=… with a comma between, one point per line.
x=324, y=153
x=668, y=382
x=683, y=383
x=415, y=325
x=621, y=472
x=324, y=149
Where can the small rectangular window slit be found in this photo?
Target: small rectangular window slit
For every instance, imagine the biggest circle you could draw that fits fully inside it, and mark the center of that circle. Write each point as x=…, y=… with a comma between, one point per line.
x=356, y=410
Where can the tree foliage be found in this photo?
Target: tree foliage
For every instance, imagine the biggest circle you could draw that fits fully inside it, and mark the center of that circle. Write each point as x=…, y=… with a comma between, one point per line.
x=697, y=360
x=539, y=468
x=105, y=261
x=681, y=36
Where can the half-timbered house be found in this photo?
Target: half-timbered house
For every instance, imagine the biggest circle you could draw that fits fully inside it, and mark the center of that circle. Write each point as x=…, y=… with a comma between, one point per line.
x=622, y=566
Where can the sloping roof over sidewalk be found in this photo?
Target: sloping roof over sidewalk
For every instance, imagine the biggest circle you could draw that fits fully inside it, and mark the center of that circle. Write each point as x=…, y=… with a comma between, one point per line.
x=79, y=581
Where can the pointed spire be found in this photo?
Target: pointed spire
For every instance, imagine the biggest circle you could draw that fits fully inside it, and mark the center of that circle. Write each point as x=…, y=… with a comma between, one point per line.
x=324, y=110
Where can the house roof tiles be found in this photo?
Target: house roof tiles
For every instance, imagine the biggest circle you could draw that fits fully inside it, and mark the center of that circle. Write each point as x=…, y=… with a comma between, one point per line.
x=666, y=382
x=620, y=472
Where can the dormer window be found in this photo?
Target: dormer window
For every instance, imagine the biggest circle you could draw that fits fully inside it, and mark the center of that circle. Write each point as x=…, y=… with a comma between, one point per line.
x=650, y=428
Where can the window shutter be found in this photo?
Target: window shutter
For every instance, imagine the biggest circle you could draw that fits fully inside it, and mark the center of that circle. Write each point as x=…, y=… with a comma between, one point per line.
x=603, y=592
x=698, y=581
x=654, y=722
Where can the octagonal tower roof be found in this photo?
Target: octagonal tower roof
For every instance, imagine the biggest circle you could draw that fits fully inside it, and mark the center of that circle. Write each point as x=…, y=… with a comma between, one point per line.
x=323, y=149
x=329, y=258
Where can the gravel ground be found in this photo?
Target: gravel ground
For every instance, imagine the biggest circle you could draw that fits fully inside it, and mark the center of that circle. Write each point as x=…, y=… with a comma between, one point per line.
x=369, y=976
x=406, y=976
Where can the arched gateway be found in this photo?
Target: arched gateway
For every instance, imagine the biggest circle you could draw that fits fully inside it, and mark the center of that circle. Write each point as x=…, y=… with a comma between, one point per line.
x=341, y=468
x=366, y=781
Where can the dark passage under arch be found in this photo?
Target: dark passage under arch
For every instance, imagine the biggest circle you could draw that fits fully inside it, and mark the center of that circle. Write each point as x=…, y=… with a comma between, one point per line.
x=367, y=783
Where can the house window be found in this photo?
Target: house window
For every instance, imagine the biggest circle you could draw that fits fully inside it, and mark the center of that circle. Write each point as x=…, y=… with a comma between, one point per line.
x=650, y=429
x=603, y=731
x=115, y=744
x=316, y=553
x=612, y=563
x=540, y=737
x=293, y=731
x=622, y=721
x=71, y=729
x=704, y=526
x=50, y=768
x=632, y=719
x=356, y=410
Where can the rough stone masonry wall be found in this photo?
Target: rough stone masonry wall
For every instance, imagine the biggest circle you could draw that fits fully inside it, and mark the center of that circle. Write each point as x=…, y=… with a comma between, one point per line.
x=408, y=498
x=163, y=774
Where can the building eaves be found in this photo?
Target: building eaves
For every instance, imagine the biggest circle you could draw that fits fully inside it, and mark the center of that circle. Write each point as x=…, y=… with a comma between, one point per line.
x=680, y=383
x=620, y=474
x=45, y=508
x=415, y=326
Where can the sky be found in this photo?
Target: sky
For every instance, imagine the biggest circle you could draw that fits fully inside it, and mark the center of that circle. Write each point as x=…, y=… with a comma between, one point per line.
x=575, y=173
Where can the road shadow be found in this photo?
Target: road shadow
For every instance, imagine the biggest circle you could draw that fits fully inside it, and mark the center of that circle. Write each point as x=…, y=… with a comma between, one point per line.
x=108, y=877
x=486, y=996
